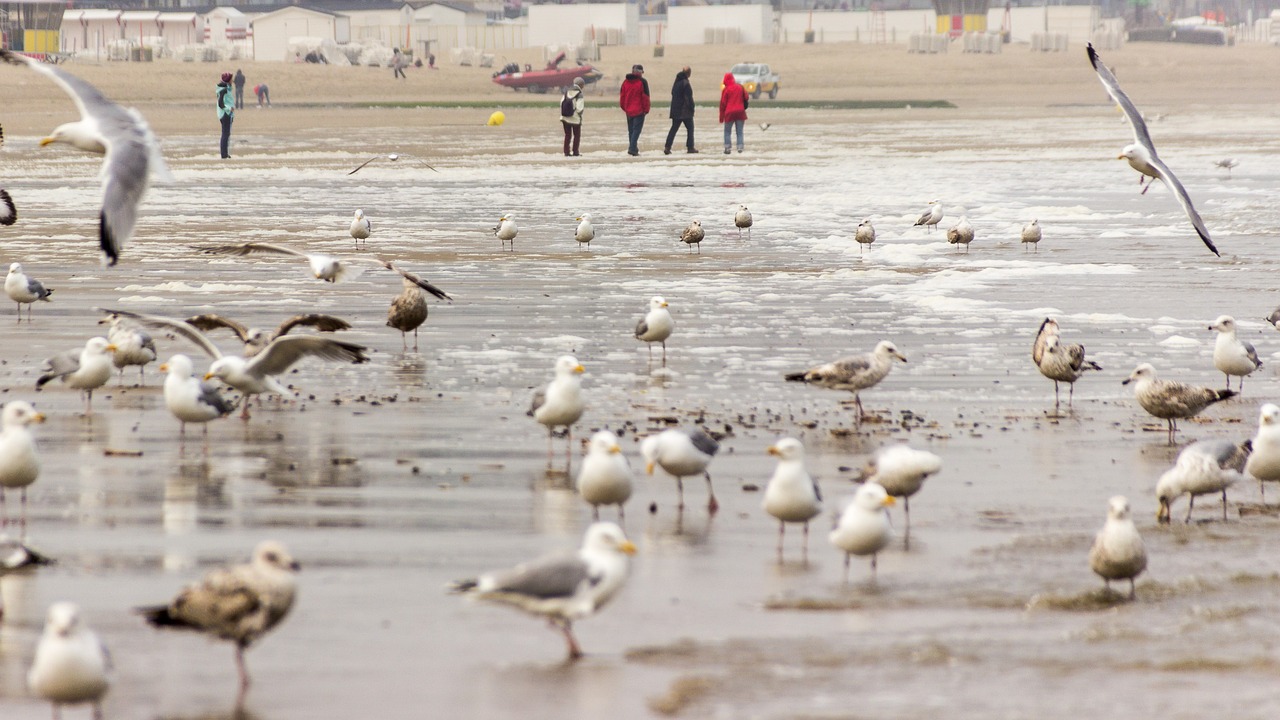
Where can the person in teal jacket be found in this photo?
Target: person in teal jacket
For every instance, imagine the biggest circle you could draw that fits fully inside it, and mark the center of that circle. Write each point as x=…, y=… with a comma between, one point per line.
x=226, y=111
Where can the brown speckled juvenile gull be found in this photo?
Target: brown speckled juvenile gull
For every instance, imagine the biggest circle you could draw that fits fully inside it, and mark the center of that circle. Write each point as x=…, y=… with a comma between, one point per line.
x=854, y=373
x=1059, y=361
x=1169, y=400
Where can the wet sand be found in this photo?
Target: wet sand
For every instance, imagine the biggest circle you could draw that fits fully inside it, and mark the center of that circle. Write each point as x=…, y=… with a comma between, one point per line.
x=391, y=479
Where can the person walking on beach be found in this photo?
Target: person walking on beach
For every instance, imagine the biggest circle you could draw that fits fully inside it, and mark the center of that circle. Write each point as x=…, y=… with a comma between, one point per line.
x=238, y=81
x=733, y=109
x=264, y=95
x=575, y=104
x=397, y=64
x=226, y=111
x=681, y=111
x=634, y=100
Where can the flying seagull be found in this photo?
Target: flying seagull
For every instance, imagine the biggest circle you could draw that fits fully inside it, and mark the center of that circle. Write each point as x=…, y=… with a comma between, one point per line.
x=393, y=157
x=1141, y=154
x=255, y=339
x=129, y=149
x=323, y=267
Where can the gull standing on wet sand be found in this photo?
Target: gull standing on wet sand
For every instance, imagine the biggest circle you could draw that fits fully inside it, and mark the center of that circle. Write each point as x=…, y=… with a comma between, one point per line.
x=1058, y=361
x=563, y=587
x=791, y=495
x=586, y=232
x=742, y=219
x=692, y=235
x=1203, y=468
x=1264, y=461
x=87, y=369
x=189, y=398
x=865, y=235
x=682, y=453
x=605, y=477
x=901, y=471
x=133, y=345
x=1231, y=355
x=932, y=215
x=130, y=152
x=559, y=402
x=239, y=603
x=1118, y=552
x=1168, y=400
x=24, y=289
x=854, y=373
x=1141, y=153
x=361, y=228
x=864, y=527
x=506, y=231
x=71, y=663
x=1031, y=235
x=961, y=233
x=656, y=326
x=19, y=461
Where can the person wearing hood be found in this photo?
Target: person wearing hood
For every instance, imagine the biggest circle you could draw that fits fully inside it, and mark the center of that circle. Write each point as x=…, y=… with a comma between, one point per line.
x=238, y=81
x=572, y=122
x=681, y=110
x=226, y=111
x=733, y=109
x=634, y=100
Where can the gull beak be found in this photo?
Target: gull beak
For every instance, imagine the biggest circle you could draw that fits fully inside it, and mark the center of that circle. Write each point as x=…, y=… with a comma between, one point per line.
x=901, y=357
x=1162, y=512
x=579, y=369
x=664, y=304
x=1120, y=157
x=294, y=566
x=110, y=348
x=164, y=367
x=648, y=468
x=627, y=547
x=37, y=418
x=577, y=218
x=1126, y=381
x=772, y=450
x=47, y=140
x=614, y=449
x=208, y=376
x=888, y=500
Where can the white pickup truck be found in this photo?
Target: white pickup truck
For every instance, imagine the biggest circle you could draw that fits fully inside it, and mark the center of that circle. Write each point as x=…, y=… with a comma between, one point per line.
x=757, y=79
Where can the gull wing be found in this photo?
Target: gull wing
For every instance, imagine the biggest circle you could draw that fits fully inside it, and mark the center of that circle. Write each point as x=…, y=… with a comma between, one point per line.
x=558, y=576
x=415, y=280
x=188, y=332
x=280, y=354
x=60, y=365
x=323, y=323
x=1184, y=200
x=366, y=162
x=211, y=321
x=253, y=249
x=1140, y=134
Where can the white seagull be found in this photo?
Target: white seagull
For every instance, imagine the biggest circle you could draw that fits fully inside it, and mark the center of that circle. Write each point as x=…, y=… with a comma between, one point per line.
x=692, y=235
x=864, y=527
x=1031, y=235
x=865, y=235
x=682, y=453
x=239, y=603
x=742, y=219
x=393, y=157
x=1141, y=154
x=1264, y=461
x=932, y=215
x=1231, y=355
x=1168, y=400
x=130, y=151
x=1226, y=164
x=854, y=373
x=87, y=369
x=961, y=233
x=564, y=587
x=24, y=289
x=1118, y=552
x=19, y=461
x=791, y=495
x=559, y=402
x=586, y=232
x=1203, y=468
x=656, y=326
x=506, y=231
x=901, y=471
x=189, y=398
x=605, y=477
x=71, y=663
x=323, y=267
x=133, y=345
x=361, y=228
x=1058, y=361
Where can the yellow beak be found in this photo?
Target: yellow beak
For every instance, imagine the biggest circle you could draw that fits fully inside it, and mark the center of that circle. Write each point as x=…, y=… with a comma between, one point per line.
x=37, y=418
x=628, y=547
x=648, y=468
x=47, y=140
x=164, y=367
x=110, y=348
x=579, y=369
x=1120, y=157
x=614, y=450
x=890, y=501
x=772, y=450
x=664, y=305
x=208, y=376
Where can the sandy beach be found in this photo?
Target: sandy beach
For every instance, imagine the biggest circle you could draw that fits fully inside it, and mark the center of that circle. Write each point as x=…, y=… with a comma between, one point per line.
x=390, y=479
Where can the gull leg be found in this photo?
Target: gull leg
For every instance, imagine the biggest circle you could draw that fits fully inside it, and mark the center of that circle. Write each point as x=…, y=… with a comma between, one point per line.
x=712, y=505
x=568, y=448
x=1056, y=402
x=1133, y=589
x=549, y=435
x=244, y=413
x=906, y=535
x=22, y=531
x=4, y=512
x=88, y=403
x=240, y=667
x=664, y=353
x=1071, y=394
x=805, y=546
x=566, y=627
x=97, y=711
x=1224, y=504
x=680, y=491
x=873, y=566
x=404, y=340
x=595, y=513
x=1191, y=504
x=415, y=339
x=782, y=529
x=857, y=400
x=846, y=568
x=622, y=516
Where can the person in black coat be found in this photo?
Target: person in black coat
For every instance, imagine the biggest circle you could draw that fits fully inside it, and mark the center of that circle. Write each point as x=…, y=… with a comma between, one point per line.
x=681, y=110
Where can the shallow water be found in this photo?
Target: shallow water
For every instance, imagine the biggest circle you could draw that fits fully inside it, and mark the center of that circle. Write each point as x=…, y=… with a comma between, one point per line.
x=388, y=480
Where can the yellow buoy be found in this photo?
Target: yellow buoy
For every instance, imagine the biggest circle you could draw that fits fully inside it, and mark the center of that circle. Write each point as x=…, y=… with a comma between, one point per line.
x=497, y=118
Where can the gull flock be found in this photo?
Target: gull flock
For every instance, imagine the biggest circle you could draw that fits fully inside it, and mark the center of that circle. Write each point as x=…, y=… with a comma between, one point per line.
x=242, y=603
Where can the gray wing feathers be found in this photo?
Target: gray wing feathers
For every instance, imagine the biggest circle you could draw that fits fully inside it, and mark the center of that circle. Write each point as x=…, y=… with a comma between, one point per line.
x=704, y=442
x=35, y=287
x=847, y=367
x=60, y=365
x=213, y=322
x=124, y=172
x=539, y=399
x=1112, y=87
x=323, y=323
x=253, y=249
x=1253, y=354
x=416, y=280
x=1183, y=199
x=188, y=332
x=642, y=327
x=282, y=353
x=210, y=396
x=553, y=577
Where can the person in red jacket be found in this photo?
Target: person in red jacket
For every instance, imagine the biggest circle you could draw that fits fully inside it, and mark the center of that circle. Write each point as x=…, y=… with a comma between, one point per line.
x=634, y=100
x=733, y=109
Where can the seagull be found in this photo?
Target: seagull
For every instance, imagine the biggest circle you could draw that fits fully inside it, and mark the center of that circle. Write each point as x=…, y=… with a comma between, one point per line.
x=932, y=215
x=1226, y=164
x=71, y=663
x=1141, y=154
x=190, y=399
x=1264, y=461
x=360, y=227
x=864, y=527
x=564, y=587
x=255, y=339
x=854, y=373
x=656, y=326
x=1274, y=318
x=961, y=233
x=1169, y=400
x=901, y=471
x=130, y=151
x=87, y=369
x=393, y=157
x=765, y=126
x=682, y=453
x=1203, y=468
x=742, y=219
x=323, y=267
x=22, y=288
x=586, y=232
x=1118, y=552
x=791, y=495
x=133, y=345
x=865, y=234
x=1031, y=234
x=559, y=402
x=692, y=235
x=605, y=477
x=506, y=231
x=239, y=603
x=8, y=211
x=19, y=462
x=1060, y=362
x=1231, y=355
